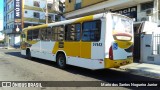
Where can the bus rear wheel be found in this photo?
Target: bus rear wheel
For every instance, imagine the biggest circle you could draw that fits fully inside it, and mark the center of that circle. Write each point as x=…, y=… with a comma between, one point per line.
x=28, y=54
x=61, y=61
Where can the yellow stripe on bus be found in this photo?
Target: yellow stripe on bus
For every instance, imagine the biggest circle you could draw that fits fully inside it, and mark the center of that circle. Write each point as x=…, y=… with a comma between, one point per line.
x=36, y=27
x=55, y=48
x=32, y=42
x=83, y=19
x=124, y=44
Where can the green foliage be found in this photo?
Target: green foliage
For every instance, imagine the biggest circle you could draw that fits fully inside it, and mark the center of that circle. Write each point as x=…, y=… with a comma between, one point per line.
x=2, y=41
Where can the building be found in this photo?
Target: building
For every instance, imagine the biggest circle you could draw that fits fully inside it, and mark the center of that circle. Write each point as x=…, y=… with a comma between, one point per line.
x=1, y=36
x=19, y=14
x=140, y=10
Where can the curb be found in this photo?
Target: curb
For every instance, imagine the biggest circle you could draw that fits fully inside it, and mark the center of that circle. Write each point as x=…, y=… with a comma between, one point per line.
x=7, y=48
x=140, y=72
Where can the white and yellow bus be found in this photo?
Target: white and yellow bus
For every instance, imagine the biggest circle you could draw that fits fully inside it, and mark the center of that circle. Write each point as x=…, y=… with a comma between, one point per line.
x=94, y=42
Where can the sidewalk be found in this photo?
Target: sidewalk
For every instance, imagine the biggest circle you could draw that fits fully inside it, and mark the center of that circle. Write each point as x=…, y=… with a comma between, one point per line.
x=143, y=69
x=6, y=47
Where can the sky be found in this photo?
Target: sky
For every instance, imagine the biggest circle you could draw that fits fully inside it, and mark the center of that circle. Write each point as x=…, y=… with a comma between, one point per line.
x=1, y=14
x=1, y=17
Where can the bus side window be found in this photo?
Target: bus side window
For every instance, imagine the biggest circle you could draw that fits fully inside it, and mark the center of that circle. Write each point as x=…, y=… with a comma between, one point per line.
x=29, y=35
x=49, y=34
x=91, y=31
x=58, y=33
x=61, y=33
x=72, y=32
x=43, y=34
x=35, y=34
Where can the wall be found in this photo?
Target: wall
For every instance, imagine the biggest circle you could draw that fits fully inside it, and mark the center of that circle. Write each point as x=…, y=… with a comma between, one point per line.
x=105, y=5
x=30, y=8
x=31, y=3
x=70, y=6
x=90, y=2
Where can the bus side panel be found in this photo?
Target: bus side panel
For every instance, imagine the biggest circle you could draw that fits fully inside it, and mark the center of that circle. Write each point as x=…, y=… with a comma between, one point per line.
x=98, y=48
x=85, y=63
x=72, y=49
x=43, y=55
x=79, y=54
x=43, y=50
x=85, y=50
x=75, y=49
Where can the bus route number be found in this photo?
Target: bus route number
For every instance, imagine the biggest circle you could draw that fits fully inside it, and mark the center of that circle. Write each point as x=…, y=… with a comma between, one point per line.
x=97, y=44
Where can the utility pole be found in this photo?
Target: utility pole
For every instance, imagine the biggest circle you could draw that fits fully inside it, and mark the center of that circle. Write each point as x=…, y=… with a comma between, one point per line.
x=46, y=12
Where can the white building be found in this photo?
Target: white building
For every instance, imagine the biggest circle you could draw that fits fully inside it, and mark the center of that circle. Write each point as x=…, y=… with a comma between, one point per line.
x=32, y=12
x=1, y=36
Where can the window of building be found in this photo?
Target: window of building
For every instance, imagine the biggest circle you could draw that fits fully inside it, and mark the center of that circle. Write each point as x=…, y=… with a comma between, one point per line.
x=70, y=1
x=91, y=31
x=148, y=5
x=61, y=7
x=57, y=17
x=72, y=32
x=49, y=7
x=8, y=17
x=26, y=12
x=8, y=7
x=11, y=4
x=50, y=18
x=78, y=4
x=36, y=14
x=12, y=15
x=36, y=3
x=11, y=26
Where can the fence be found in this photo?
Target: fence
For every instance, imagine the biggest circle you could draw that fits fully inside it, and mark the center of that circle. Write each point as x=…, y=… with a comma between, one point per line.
x=156, y=44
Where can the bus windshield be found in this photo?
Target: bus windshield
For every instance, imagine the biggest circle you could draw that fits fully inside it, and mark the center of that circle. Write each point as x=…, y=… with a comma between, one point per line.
x=122, y=28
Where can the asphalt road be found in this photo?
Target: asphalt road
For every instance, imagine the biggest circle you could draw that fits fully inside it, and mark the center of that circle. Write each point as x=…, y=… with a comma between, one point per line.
x=15, y=67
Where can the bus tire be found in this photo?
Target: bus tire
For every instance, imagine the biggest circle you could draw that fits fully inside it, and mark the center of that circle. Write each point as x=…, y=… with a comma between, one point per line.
x=28, y=54
x=61, y=60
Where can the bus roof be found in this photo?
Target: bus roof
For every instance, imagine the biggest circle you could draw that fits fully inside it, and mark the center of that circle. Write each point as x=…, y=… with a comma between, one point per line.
x=71, y=21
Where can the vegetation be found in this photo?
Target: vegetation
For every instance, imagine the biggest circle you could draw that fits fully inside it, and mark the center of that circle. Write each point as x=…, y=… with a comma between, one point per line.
x=1, y=41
